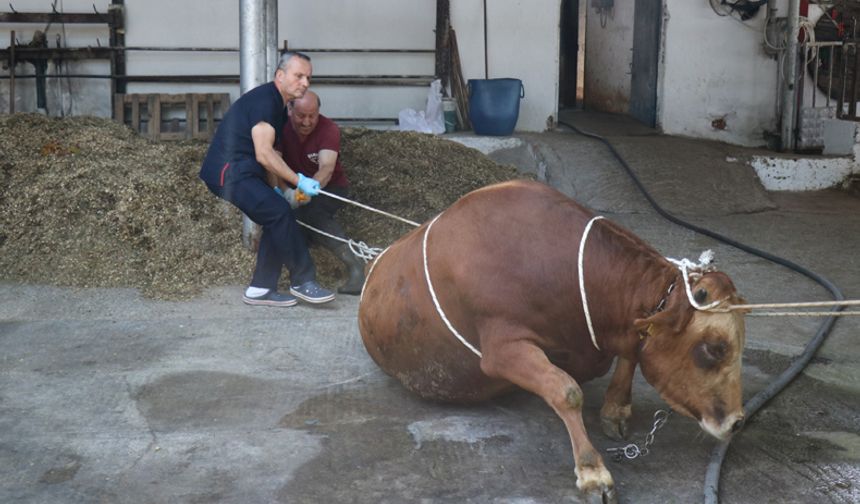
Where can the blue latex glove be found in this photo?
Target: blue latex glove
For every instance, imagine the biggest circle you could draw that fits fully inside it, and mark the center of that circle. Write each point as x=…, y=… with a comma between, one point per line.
x=308, y=185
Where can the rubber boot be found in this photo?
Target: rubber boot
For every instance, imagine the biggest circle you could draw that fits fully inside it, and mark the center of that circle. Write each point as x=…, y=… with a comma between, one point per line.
x=354, y=270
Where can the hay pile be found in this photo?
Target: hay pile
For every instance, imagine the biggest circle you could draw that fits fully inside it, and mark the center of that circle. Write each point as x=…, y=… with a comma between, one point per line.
x=86, y=202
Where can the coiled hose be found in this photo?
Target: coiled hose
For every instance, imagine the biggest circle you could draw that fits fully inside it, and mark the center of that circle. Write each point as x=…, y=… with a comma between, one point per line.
x=712, y=474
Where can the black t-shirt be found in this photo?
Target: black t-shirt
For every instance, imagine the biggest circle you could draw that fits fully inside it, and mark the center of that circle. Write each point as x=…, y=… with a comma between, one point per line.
x=231, y=152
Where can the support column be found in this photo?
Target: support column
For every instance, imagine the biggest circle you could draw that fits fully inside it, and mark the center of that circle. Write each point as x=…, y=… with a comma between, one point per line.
x=252, y=44
x=272, y=53
x=258, y=53
x=789, y=89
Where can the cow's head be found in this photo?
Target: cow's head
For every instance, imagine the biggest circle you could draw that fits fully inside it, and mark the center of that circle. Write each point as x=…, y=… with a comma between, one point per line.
x=693, y=357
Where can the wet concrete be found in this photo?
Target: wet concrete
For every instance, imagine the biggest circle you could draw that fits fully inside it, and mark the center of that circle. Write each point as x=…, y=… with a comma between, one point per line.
x=107, y=397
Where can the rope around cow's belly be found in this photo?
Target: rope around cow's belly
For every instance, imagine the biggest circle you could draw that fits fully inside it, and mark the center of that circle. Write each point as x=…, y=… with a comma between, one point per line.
x=579, y=266
x=439, y=310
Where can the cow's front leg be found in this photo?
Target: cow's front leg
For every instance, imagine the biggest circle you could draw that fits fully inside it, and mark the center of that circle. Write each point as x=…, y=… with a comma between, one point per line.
x=526, y=365
x=616, y=408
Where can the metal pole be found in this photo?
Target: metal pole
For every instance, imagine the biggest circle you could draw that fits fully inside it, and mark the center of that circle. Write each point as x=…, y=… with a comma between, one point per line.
x=252, y=67
x=252, y=44
x=442, y=53
x=272, y=52
x=12, y=73
x=486, y=50
x=789, y=95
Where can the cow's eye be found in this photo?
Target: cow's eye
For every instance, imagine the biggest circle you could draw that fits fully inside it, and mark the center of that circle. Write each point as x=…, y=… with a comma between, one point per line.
x=709, y=355
x=716, y=350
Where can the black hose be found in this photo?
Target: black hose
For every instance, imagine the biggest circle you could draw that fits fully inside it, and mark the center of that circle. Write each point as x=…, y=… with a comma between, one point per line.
x=712, y=474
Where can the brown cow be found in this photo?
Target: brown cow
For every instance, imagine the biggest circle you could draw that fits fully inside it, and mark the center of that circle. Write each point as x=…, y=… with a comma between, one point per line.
x=503, y=265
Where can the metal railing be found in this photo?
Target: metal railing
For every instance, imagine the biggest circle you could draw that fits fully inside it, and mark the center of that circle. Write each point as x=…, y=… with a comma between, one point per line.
x=834, y=73
x=831, y=91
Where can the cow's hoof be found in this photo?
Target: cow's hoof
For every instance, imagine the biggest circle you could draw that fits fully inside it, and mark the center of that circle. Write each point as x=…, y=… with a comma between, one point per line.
x=596, y=484
x=614, y=428
x=606, y=496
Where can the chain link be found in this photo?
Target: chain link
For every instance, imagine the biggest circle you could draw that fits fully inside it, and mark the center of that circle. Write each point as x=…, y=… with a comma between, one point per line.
x=632, y=450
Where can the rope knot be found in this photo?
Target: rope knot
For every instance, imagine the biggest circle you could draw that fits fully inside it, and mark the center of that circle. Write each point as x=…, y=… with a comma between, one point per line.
x=694, y=271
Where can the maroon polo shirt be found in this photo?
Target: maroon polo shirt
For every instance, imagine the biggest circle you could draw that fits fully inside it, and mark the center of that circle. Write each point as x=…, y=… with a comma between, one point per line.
x=303, y=157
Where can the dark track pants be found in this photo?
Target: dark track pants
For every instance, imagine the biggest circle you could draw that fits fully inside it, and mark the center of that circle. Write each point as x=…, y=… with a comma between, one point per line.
x=282, y=242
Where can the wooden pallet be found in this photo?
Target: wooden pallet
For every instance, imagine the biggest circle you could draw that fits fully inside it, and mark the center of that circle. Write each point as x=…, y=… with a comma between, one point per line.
x=163, y=118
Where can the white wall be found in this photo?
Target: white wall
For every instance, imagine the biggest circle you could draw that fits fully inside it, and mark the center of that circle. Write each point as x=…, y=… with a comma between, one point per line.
x=88, y=96
x=389, y=24
x=608, y=57
x=715, y=67
x=380, y=24
x=523, y=40
x=712, y=69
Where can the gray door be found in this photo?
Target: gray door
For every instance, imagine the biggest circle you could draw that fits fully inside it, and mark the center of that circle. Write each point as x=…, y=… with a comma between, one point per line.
x=648, y=18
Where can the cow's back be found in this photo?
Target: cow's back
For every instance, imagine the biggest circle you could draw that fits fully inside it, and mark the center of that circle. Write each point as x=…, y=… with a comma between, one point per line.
x=504, y=250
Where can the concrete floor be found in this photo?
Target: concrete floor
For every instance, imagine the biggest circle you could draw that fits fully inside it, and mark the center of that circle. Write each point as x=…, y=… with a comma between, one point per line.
x=108, y=397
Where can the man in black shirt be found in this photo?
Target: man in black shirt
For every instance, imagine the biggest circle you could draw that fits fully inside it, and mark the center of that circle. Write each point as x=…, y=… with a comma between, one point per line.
x=235, y=169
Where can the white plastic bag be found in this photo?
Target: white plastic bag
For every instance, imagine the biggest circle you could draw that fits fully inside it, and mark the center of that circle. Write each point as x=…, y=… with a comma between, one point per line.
x=430, y=120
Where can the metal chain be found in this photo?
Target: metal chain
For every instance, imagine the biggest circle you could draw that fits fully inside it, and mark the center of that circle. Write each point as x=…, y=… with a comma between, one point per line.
x=632, y=450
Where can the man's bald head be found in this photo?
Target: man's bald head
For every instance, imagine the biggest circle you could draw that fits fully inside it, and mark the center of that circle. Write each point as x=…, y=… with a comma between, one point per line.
x=305, y=114
x=310, y=102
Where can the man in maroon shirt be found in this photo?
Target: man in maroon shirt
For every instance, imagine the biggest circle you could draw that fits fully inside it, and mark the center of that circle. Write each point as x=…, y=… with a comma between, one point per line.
x=311, y=146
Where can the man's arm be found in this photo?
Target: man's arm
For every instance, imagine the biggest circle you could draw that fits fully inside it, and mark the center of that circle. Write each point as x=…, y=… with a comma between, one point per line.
x=263, y=135
x=327, y=159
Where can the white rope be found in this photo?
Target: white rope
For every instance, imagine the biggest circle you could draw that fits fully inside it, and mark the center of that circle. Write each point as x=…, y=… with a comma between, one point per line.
x=705, y=259
x=359, y=248
x=812, y=304
x=370, y=271
x=433, y=293
x=805, y=314
x=341, y=198
x=582, y=280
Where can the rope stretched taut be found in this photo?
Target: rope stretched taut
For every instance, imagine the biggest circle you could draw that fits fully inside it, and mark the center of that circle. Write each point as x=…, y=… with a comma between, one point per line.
x=707, y=257
x=358, y=248
x=367, y=253
x=366, y=207
x=811, y=304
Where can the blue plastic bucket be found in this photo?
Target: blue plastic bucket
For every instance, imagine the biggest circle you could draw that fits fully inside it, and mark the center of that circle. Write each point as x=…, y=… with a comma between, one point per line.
x=494, y=105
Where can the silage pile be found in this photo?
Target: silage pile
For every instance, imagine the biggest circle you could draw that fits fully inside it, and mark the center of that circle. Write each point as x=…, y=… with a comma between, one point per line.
x=86, y=202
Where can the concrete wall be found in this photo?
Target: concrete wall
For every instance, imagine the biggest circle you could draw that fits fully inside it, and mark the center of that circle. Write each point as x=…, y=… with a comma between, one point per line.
x=608, y=57
x=386, y=24
x=523, y=41
x=714, y=80
x=717, y=82
x=304, y=24
x=64, y=96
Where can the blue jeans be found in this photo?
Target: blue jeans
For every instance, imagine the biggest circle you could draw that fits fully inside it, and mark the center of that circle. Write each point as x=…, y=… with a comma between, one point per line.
x=282, y=242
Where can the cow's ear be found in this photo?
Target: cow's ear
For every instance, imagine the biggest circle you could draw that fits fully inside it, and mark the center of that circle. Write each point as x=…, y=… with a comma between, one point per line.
x=657, y=323
x=671, y=321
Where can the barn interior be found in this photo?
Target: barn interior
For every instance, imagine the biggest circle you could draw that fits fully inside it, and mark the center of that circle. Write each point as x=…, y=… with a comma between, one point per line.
x=143, y=378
